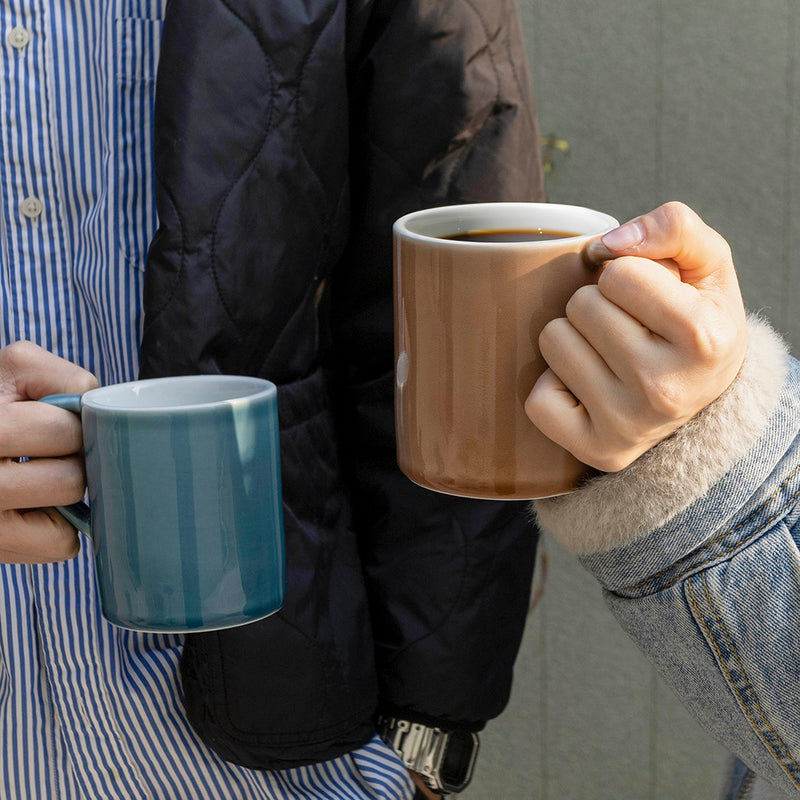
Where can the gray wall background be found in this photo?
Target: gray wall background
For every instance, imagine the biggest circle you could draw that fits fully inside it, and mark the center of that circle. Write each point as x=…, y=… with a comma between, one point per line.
x=695, y=100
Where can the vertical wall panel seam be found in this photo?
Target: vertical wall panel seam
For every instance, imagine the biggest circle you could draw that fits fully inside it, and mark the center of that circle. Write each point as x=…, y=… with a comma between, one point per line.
x=789, y=171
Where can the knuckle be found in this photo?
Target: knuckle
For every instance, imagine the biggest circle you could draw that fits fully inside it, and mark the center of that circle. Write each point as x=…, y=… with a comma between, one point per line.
x=687, y=227
x=617, y=272
x=84, y=381
x=14, y=483
x=681, y=222
x=73, y=485
x=15, y=355
x=551, y=334
x=664, y=396
x=610, y=463
x=677, y=210
x=679, y=217
x=36, y=536
x=20, y=349
x=708, y=334
x=66, y=431
x=581, y=300
x=8, y=439
x=710, y=343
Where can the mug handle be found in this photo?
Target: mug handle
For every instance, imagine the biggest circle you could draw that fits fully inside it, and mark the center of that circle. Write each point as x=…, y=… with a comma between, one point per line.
x=596, y=254
x=76, y=514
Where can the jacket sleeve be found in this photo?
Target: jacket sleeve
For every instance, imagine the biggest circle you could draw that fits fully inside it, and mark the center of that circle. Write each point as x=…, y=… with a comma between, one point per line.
x=696, y=547
x=442, y=113
x=251, y=156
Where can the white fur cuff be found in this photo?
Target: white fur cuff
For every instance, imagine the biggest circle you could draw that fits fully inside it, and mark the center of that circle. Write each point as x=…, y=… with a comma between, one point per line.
x=616, y=508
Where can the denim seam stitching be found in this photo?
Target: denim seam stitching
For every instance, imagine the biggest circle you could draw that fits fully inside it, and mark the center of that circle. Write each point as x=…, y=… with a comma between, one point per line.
x=727, y=533
x=732, y=684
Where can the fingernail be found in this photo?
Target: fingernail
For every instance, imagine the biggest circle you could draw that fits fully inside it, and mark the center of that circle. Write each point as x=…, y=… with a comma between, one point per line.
x=627, y=237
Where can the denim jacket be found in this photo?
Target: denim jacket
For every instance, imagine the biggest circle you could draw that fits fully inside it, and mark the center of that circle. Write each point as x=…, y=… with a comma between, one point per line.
x=696, y=548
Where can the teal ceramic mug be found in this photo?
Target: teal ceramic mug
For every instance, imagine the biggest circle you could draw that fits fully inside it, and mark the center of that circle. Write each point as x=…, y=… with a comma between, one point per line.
x=185, y=510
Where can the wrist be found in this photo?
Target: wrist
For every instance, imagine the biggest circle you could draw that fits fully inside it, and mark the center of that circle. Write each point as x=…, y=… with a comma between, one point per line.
x=422, y=790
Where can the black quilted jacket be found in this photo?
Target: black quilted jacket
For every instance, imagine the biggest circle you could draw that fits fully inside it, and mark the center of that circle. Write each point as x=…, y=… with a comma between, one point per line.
x=289, y=135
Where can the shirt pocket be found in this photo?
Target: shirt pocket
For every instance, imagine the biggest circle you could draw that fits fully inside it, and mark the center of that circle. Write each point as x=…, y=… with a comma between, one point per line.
x=137, y=41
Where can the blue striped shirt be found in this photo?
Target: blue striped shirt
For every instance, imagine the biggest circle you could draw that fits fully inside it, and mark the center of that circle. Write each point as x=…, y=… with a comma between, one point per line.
x=88, y=710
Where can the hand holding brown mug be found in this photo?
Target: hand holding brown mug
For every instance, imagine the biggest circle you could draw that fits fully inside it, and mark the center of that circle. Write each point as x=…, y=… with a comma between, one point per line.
x=647, y=347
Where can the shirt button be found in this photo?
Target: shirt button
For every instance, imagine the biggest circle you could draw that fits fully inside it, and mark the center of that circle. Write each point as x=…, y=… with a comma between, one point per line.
x=32, y=207
x=19, y=37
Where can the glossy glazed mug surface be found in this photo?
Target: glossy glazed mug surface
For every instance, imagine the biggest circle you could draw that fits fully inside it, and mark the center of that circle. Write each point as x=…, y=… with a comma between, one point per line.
x=468, y=315
x=185, y=509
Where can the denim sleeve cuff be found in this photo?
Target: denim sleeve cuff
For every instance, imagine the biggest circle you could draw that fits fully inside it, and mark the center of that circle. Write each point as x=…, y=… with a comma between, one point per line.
x=616, y=508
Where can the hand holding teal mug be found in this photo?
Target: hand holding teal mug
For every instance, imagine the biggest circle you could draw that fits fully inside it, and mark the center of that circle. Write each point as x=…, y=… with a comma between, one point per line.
x=185, y=509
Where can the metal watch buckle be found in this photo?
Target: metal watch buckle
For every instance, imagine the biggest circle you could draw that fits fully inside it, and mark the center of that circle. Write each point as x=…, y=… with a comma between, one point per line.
x=424, y=749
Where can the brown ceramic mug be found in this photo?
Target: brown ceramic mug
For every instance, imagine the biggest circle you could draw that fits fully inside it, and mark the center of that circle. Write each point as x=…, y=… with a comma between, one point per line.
x=474, y=286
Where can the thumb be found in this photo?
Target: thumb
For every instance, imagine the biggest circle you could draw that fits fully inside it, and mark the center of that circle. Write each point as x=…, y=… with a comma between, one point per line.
x=675, y=235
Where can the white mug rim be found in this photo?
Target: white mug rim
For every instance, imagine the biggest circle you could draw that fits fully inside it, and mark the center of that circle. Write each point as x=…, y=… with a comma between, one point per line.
x=459, y=215
x=243, y=389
